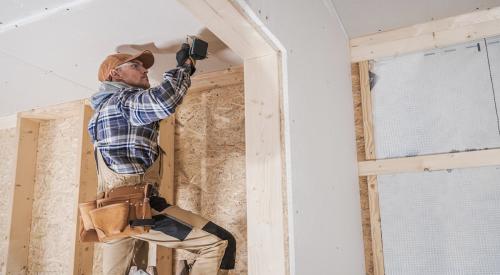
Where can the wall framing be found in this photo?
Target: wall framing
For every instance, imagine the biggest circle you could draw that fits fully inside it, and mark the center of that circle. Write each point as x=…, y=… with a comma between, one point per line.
x=27, y=125
x=265, y=161
x=420, y=37
x=373, y=197
x=429, y=35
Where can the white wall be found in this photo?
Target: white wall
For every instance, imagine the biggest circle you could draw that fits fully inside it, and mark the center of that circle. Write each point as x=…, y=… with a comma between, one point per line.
x=325, y=197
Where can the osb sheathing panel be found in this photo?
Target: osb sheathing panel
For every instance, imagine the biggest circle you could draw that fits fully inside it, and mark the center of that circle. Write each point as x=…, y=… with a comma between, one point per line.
x=363, y=185
x=54, y=197
x=7, y=155
x=210, y=162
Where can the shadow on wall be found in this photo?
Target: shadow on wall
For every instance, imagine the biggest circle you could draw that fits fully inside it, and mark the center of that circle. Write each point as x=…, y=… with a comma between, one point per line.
x=165, y=54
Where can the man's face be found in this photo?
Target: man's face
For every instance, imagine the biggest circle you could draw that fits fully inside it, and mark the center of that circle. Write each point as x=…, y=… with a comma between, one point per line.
x=133, y=73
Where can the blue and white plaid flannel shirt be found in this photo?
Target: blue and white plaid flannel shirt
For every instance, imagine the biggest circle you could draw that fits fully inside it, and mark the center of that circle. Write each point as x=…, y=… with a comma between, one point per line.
x=128, y=120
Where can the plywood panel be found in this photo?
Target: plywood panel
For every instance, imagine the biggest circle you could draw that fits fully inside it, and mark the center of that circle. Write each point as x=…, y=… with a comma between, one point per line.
x=53, y=219
x=210, y=161
x=7, y=167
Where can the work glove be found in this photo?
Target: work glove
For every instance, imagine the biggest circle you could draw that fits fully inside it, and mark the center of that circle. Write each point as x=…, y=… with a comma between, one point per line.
x=183, y=55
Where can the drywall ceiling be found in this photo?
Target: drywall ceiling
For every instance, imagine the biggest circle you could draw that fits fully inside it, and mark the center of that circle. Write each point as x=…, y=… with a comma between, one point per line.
x=361, y=17
x=50, y=50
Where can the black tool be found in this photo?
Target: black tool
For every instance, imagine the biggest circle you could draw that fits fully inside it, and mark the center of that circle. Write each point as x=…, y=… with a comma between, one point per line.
x=198, y=49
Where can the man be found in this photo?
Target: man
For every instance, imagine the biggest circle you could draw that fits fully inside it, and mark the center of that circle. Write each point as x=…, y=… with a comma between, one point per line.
x=124, y=130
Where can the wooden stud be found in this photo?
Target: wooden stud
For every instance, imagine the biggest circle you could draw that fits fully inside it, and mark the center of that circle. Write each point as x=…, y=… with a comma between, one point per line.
x=363, y=181
x=87, y=188
x=22, y=197
x=263, y=137
x=425, y=36
x=376, y=233
x=164, y=256
x=430, y=162
x=265, y=234
x=62, y=110
x=366, y=106
x=376, y=227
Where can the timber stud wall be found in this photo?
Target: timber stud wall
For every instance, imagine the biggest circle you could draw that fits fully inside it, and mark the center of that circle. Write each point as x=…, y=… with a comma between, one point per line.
x=264, y=138
x=22, y=192
x=420, y=37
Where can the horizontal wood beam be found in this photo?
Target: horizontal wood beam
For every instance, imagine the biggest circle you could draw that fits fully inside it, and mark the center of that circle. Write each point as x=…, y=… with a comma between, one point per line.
x=62, y=110
x=425, y=36
x=430, y=162
x=212, y=80
x=227, y=20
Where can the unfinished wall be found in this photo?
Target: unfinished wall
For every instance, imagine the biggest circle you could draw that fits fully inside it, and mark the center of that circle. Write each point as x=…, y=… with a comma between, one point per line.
x=210, y=161
x=363, y=184
x=433, y=102
x=437, y=101
x=210, y=164
x=54, y=197
x=441, y=222
x=7, y=165
x=326, y=230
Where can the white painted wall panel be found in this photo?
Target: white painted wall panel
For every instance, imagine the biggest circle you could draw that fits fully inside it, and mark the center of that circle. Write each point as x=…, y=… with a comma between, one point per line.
x=325, y=208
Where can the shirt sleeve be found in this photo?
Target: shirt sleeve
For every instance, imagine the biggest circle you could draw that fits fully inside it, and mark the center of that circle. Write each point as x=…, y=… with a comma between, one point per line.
x=142, y=107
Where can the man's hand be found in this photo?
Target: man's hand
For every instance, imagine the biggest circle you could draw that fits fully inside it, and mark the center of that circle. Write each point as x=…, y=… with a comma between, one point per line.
x=182, y=55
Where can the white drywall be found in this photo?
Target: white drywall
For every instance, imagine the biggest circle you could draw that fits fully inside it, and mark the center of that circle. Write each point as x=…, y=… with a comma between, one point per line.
x=361, y=17
x=325, y=206
x=52, y=56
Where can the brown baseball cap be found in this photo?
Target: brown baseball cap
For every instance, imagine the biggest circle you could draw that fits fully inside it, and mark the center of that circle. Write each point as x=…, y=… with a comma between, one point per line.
x=114, y=60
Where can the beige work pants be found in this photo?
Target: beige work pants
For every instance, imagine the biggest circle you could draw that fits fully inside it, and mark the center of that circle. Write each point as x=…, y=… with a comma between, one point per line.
x=209, y=248
x=174, y=228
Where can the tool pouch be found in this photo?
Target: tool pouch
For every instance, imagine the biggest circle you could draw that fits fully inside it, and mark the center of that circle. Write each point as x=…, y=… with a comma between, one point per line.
x=115, y=215
x=87, y=230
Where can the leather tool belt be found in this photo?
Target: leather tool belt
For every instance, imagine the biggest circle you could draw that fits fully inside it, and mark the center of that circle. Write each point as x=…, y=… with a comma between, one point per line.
x=124, y=211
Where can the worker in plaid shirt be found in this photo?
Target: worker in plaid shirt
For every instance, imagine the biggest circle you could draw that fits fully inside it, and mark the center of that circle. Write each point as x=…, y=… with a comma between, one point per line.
x=124, y=130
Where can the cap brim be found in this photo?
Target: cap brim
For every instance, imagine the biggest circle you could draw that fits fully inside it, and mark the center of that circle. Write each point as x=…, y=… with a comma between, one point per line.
x=146, y=57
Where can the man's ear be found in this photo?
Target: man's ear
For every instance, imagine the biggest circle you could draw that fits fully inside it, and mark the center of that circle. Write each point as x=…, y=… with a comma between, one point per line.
x=114, y=74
